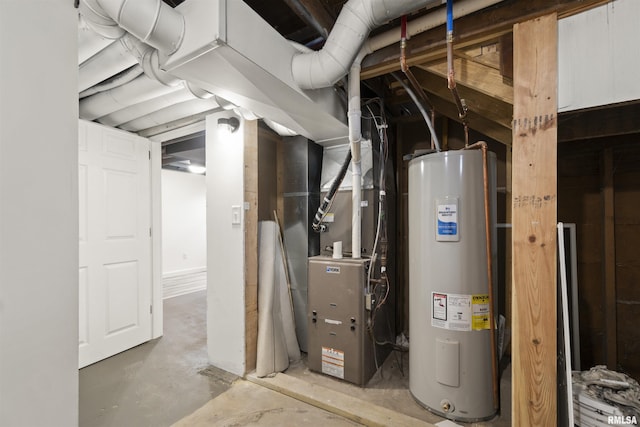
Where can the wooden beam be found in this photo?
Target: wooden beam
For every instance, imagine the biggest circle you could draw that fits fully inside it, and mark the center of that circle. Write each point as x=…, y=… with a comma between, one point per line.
x=609, y=259
x=475, y=76
x=477, y=121
x=600, y=122
x=487, y=24
x=506, y=56
x=534, y=205
x=487, y=115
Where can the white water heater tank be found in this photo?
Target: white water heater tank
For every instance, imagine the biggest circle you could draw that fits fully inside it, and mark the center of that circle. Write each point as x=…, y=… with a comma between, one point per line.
x=450, y=352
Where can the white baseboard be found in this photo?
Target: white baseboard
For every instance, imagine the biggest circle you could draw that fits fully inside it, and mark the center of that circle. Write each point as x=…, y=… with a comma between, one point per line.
x=183, y=282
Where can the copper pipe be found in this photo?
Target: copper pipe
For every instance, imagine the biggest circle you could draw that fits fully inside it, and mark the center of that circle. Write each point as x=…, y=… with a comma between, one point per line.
x=423, y=99
x=451, y=81
x=487, y=225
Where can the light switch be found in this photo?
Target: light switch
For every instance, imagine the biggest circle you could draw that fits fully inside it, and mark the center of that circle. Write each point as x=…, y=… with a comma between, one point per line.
x=236, y=214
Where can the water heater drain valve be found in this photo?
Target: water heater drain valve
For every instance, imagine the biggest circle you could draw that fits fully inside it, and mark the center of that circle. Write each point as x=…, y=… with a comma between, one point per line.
x=446, y=406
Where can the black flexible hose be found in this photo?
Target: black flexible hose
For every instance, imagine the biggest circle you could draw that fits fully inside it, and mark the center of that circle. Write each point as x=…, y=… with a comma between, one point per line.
x=322, y=210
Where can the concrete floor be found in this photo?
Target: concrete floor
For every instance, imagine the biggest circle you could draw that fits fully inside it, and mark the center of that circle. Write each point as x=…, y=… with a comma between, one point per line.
x=159, y=382
x=168, y=382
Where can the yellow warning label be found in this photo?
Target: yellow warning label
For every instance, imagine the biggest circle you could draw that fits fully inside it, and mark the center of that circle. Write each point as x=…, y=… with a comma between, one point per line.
x=480, y=312
x=480, y=299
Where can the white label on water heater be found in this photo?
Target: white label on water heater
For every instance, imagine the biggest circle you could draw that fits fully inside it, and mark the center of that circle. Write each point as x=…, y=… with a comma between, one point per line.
x=447, y=220
x=451, y=311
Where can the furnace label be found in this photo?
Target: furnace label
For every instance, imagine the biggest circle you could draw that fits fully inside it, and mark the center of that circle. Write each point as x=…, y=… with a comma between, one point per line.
x=333, y=362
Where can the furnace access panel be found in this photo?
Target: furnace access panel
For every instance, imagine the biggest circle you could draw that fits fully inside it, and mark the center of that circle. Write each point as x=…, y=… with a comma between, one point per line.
x=339, y=343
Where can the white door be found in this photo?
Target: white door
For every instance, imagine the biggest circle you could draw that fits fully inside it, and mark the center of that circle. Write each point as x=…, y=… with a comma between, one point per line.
x=115, y=243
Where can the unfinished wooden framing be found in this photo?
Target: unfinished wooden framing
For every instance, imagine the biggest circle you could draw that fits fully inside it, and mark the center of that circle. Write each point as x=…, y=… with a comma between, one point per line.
x=534, y=206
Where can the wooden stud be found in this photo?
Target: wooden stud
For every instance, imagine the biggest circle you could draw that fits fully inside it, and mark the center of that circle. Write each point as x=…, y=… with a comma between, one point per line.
x=251, y=242
x=609, y=260
x=534, y=205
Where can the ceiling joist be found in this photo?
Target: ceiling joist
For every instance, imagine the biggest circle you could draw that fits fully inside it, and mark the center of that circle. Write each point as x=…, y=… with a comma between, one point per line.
x=487, y=24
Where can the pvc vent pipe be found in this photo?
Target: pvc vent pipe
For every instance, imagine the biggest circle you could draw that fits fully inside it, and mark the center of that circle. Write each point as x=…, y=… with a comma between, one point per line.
x=356, y=20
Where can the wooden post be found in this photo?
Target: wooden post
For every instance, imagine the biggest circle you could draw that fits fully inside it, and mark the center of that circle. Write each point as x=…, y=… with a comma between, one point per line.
x=251, y=242
x=534, y=393
x=611, y=351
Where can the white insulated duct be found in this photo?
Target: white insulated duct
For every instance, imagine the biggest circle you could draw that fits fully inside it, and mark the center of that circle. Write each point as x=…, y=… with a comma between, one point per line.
x=152, y=21
x=170, y=114
x=139, y=90
x=89, y=42
x=115, y=81
x=112, y=60
x=147, y=107
x=356, y=20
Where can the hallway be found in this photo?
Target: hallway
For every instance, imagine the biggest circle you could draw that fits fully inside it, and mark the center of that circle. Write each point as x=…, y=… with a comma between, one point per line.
x=159, y=382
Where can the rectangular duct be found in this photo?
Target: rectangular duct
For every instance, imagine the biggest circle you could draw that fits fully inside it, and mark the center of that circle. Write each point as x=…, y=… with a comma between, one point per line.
x=229, y=50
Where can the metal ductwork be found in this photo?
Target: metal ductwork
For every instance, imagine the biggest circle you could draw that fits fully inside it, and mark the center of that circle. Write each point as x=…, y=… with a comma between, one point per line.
x=356, y=20
x=227, y=49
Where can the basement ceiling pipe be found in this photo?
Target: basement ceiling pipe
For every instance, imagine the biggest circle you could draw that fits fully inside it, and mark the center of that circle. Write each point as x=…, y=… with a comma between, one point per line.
x=426, y=22
x=99, y=21
x=89, y=42
x=355, y=136
x=119, y=79
x=141, y=109
x=356, y=20
x=152, y=21
x=139, y=90
x=170, y=114
x=112, y=60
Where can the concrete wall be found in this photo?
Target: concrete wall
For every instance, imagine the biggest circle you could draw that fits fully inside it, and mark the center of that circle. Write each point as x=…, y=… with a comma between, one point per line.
x=225, y=249
x=599, y=56
x=38, y=214
x=184, y=228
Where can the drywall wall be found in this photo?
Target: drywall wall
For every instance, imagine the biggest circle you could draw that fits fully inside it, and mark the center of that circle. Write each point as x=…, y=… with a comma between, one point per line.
x=184, y=228
x=598, y=56
x=38, y=214
x=225, y=248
